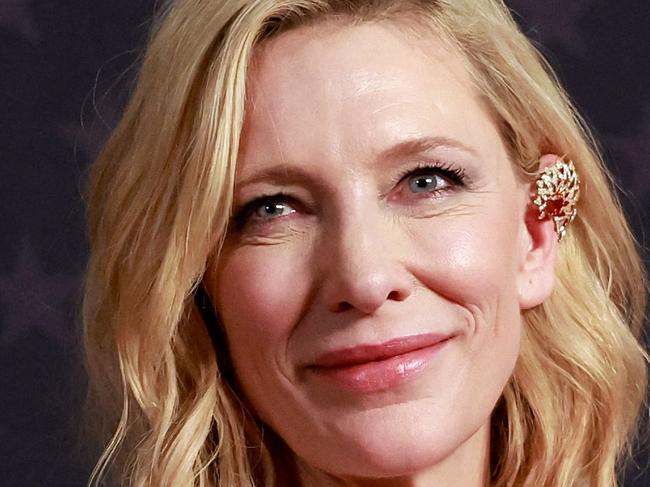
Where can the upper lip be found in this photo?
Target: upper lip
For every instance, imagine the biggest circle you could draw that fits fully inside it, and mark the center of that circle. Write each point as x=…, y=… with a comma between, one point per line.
x=361, y=354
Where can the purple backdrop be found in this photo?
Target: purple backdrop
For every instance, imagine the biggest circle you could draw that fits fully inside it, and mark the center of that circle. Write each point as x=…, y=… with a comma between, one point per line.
x=65, y=68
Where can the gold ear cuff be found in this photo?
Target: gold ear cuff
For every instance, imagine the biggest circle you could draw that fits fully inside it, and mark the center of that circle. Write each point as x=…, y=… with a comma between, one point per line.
x=558, y=190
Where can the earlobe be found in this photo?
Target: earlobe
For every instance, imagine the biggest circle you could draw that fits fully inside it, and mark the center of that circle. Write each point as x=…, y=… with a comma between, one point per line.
x=536, y=278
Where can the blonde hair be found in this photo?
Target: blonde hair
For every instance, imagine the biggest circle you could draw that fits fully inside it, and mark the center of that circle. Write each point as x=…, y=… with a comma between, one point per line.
x=159, y=198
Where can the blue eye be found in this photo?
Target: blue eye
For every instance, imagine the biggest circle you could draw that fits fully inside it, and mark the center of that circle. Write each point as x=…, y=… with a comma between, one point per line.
x=273, y=208
x=432, y=179
x=425, y=183
x=264, y=208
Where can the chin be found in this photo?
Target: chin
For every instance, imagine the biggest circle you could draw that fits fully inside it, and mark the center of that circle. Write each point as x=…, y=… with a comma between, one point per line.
x=386, y=460
x=375, y=447
x=397, y=462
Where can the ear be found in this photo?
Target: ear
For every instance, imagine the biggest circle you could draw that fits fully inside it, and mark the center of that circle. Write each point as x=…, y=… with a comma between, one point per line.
x=539, y=247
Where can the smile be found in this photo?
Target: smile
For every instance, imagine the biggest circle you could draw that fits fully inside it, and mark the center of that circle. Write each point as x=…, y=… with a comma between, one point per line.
x=374, y=368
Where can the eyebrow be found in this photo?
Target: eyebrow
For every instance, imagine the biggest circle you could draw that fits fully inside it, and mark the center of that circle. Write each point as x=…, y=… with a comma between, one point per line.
x=424, y=144
x=411, y=147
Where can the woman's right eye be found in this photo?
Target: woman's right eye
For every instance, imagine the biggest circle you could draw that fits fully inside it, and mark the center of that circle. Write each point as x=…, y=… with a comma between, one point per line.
x=272, y=209
x=262, y=209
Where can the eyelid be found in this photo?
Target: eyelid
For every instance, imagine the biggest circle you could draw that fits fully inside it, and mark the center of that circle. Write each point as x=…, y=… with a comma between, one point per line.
x=453, y=173
x=242, y=214
x=457, y=172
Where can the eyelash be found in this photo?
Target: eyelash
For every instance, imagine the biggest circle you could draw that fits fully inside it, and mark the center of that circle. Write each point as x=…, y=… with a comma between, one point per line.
x=456, y=176
x=242, y=214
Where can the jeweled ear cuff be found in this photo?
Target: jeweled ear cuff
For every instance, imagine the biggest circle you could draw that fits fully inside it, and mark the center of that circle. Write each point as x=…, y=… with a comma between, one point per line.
x=558, y=190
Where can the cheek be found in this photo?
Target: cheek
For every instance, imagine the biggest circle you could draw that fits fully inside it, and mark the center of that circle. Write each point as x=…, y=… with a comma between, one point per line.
x=258, y=289
x=259, y=294
x=471, y=260
x=472, y=264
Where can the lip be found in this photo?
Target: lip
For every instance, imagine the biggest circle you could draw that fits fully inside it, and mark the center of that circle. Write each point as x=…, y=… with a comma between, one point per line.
x=374, y=368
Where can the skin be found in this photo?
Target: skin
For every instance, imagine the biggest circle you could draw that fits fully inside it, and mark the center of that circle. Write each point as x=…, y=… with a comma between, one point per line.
x=358, y=256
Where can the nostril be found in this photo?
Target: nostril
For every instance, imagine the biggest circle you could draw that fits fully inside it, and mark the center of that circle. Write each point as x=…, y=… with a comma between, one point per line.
x=343, y=306
x=394, y=295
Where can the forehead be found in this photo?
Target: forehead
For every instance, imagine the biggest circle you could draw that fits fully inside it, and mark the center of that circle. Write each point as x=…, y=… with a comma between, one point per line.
x=329, y=88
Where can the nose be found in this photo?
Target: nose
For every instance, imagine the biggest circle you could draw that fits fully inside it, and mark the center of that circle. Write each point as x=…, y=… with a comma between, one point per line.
x=364, y=264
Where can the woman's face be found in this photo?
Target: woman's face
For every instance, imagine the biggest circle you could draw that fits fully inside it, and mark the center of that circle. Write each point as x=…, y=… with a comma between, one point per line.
x=390, y=218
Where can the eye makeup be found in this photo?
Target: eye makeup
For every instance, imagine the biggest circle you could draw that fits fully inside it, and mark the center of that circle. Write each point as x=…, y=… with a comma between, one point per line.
x=454, y=176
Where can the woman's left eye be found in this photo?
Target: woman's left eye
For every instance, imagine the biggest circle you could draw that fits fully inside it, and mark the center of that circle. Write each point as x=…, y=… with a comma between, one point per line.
x=425, y=183
x=432, y=179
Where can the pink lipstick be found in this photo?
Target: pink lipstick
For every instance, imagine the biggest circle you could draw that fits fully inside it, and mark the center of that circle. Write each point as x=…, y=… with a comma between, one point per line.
x=373, y=368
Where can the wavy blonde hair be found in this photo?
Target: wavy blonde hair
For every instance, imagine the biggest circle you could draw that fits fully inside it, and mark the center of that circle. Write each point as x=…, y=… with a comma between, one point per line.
x=159, y=198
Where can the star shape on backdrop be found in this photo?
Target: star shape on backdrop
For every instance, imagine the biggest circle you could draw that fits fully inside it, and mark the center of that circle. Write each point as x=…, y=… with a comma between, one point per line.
x=16, y=16
x=33, y=299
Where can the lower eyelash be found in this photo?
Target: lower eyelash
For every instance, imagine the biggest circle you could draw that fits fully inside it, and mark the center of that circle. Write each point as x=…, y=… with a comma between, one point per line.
x=452, y=173
x=455, y=174
x=241, y=214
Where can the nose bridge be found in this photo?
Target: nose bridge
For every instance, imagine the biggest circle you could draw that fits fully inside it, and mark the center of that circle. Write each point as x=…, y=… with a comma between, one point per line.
x=366, y=266
x=363, y=234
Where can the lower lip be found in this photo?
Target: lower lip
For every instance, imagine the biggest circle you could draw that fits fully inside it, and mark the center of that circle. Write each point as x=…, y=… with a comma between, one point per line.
x=384, y=374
